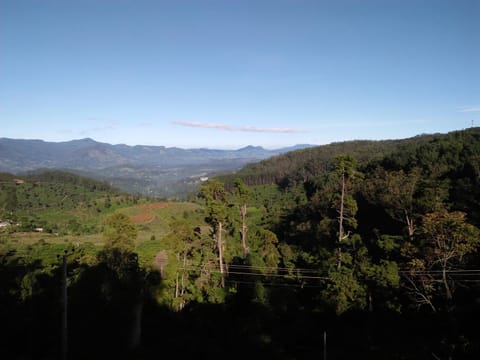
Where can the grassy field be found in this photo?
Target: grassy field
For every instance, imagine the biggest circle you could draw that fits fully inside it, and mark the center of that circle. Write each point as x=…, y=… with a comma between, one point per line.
x=152, y=220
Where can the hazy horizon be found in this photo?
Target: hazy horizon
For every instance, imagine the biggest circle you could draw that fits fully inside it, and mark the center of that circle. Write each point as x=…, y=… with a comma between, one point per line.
x=160, y=145
x=224, y=148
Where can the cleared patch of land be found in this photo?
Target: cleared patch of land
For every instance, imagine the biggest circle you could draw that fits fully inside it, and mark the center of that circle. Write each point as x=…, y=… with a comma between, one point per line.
x=153, y=222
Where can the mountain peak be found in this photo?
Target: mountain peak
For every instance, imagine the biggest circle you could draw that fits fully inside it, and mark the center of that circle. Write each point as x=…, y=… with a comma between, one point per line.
x=86, y=140
x=251, y=147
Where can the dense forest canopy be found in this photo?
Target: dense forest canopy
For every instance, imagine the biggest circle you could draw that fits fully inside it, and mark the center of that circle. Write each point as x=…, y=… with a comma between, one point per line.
x=309, y=163
x=348, y=239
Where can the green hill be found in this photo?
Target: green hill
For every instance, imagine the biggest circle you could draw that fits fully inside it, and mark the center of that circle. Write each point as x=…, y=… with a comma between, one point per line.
x=57, y=202
x=306, y=164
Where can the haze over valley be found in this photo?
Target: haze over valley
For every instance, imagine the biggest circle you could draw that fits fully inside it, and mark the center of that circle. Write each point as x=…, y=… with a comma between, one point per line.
x=156, y=171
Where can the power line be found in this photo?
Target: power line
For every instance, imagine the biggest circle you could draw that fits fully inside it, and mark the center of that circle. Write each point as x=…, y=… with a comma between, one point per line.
x=271, y=284
x=305, y=272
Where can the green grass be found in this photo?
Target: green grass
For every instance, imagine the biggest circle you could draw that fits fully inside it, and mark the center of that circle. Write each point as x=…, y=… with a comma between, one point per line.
x=159, y=227
x=147, y=250
x=72, y=212
x=153, y=224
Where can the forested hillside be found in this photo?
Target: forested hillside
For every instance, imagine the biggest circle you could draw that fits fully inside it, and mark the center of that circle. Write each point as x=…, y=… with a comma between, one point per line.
x=355, y=250
x=304, y=164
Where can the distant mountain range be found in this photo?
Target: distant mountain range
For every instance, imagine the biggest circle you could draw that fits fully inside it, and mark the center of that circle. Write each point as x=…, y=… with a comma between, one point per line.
x=152, y=170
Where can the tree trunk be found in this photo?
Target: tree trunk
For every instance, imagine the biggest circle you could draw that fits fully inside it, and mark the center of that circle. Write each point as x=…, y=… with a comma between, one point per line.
x=182, y=290
x=64, y=310
x=243, y=212
x=176, y=286
x=411, y=225
x=448, y=292
x=220, y=253
x=340, y=223
x=136, y=334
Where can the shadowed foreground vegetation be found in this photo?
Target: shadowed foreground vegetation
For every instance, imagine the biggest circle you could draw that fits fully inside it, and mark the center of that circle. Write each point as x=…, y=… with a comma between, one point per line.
x=101, y=319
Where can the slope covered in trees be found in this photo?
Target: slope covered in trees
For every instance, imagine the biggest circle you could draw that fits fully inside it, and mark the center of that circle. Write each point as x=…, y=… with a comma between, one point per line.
x=309, y=163
x=373, y=244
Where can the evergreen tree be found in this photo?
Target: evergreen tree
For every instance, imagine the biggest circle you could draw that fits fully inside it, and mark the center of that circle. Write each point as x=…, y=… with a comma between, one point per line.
x=242, y=194
x=120, y=232
x=395, y=192
x=447, y=240
x=215, y=197
x=345, y=175
x=125, y=280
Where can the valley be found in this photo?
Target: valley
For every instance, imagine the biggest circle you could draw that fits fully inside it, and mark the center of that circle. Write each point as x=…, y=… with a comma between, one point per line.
x=155, y=171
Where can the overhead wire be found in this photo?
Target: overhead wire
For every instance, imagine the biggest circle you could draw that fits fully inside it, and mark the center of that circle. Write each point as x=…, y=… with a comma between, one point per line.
x=314, y=273
x=308, y=274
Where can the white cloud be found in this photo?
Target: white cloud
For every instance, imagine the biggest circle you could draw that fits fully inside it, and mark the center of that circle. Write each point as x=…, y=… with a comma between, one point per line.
x=468, y=109
x=236, y=128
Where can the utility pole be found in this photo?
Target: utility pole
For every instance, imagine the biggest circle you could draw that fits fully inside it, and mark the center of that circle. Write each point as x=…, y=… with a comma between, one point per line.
x=325, y=345
x=64, y=304
x=64, y=310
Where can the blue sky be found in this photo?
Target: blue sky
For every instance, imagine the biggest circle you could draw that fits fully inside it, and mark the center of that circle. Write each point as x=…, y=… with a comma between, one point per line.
x=226, y=74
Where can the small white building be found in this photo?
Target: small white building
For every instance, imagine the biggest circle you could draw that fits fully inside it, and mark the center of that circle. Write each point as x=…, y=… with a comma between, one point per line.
x=4, y=224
